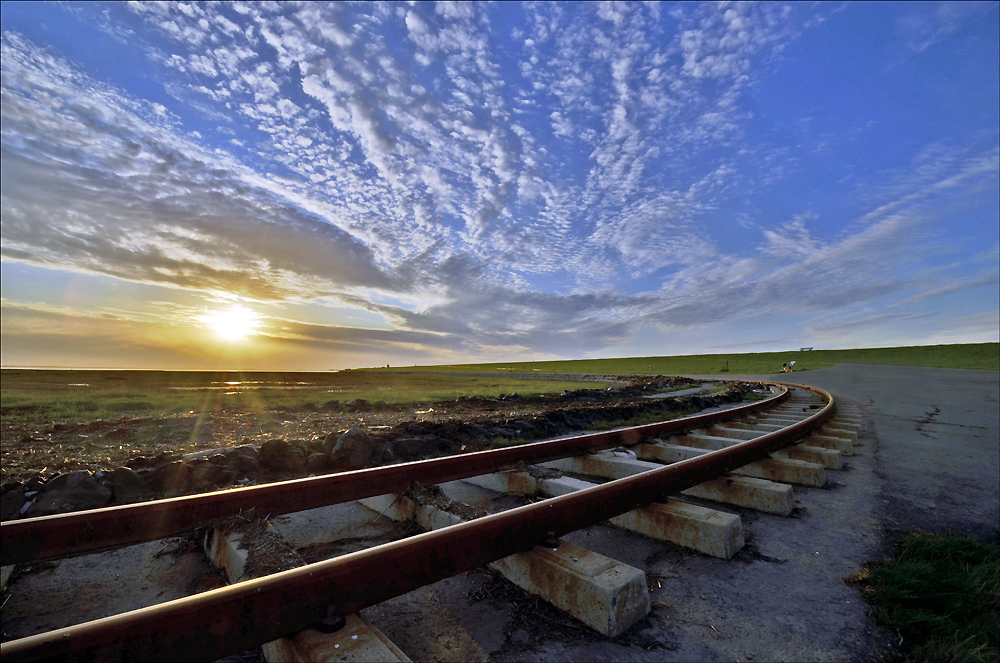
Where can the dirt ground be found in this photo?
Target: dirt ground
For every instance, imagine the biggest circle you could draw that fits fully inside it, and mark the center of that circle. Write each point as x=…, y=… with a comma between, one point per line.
x=48, y=448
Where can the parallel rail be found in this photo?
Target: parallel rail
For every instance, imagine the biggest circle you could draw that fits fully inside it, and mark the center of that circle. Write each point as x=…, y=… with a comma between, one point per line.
x=231, y=619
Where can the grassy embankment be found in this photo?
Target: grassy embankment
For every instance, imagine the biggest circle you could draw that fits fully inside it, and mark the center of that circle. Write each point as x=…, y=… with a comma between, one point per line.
x=55, y=395
x=981, y=356
x=940, y=593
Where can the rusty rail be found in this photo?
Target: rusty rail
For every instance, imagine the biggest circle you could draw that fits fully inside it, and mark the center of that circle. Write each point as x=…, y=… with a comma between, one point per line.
x=49, y=537
x=231, y=619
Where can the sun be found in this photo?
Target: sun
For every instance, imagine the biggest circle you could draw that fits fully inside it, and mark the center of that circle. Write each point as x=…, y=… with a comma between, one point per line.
x=233, y=324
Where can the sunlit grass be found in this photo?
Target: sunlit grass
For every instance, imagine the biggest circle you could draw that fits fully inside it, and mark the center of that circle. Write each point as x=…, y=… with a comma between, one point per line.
x=52, y=395
x=981, y=356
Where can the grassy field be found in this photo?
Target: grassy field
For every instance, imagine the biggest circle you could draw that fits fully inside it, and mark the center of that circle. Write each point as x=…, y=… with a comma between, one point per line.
x=942, y=593
x=64, y=394
x=980, y=356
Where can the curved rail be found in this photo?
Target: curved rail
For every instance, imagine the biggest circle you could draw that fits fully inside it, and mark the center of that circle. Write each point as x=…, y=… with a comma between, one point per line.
x=234, y=618
x=48, y=537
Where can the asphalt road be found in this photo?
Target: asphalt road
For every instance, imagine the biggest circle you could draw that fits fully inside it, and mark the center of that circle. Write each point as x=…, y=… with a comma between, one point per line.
x=937, y=442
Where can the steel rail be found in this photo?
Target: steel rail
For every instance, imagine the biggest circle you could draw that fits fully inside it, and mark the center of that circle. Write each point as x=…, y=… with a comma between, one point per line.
x=64, y=535
x=231, y=619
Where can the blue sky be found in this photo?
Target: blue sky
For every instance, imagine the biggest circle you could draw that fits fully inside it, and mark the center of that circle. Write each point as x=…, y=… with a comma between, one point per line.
x=396, y=183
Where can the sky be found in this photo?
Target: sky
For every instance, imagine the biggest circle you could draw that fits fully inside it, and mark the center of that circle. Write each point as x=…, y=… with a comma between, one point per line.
x=316, y=187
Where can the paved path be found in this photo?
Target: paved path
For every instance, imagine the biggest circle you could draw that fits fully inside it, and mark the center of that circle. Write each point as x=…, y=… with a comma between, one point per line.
x=937, y=433
x=938, y=442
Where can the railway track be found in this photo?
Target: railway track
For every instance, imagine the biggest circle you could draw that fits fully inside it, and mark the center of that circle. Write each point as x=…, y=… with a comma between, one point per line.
x=659, y=480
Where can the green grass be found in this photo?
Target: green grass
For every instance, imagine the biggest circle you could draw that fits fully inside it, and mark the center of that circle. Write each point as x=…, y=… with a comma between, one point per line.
x=980, y=356
x=942, y=593
x=57, y=395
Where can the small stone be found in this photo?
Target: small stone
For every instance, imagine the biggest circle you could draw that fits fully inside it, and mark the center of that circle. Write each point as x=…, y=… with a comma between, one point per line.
x=73, y=491
x=171, y=477
x=243, y=459
x=165, y=457
x=128, y=486
x=12, y=502
x=281, y=456
x=420, y=447
x=353, y=450
x=316, y=463
x=225, y=477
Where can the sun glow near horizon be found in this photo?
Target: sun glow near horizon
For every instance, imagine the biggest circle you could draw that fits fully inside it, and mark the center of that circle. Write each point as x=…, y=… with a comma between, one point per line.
x=233, y=324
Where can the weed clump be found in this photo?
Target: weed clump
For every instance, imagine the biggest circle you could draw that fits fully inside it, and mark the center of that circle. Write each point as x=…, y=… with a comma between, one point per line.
x=942, y=593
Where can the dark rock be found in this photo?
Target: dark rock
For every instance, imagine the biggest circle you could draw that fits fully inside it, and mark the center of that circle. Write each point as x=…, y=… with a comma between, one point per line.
x=171, y=477
x=243, y=459
x=207, y=453
x=317, y=462
x=203, y=473
x=384, y=454
x=165, y=457
x=206, y=474
x=141, y=462
x=9, y=486
x=311, y=446
x=330, y=441
x=128, y=486
x=420, y=447
x=523, y=428
x=11, y=503
x=73, y=491
x=34, y=483
x=545, y=428
x=353, y=451
x=226, y=477
x=281, y=456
